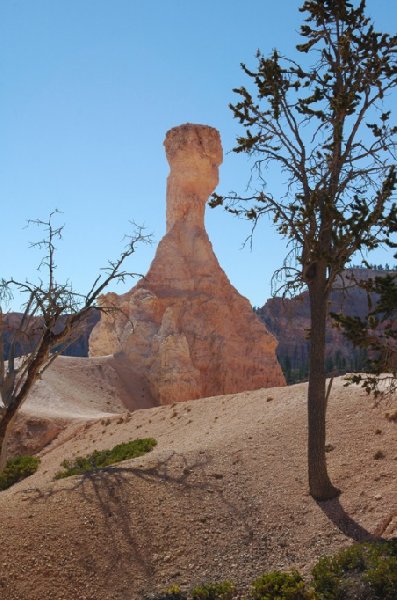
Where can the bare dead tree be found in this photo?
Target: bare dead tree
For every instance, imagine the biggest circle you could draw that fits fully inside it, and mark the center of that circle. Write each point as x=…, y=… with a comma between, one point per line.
x=54, y=316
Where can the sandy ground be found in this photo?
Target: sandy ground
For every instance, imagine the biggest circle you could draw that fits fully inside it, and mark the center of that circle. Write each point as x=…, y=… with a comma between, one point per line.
x=222, y=496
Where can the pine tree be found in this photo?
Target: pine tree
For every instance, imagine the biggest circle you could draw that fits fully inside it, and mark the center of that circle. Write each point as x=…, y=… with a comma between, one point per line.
x=328, y=130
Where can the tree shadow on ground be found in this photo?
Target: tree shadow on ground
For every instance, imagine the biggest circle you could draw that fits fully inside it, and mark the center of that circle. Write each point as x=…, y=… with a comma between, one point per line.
x=345, y=523
x=134, y=532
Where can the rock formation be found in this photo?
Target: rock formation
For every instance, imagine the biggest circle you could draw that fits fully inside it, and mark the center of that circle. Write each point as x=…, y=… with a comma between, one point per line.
x=288, y=319
x=185, y=330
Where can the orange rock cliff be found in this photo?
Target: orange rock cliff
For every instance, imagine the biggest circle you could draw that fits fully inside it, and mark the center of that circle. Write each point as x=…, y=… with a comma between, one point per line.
x=184, y=330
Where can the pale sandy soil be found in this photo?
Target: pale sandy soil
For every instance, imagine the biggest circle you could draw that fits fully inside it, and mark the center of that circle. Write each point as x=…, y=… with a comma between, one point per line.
x=223, y=496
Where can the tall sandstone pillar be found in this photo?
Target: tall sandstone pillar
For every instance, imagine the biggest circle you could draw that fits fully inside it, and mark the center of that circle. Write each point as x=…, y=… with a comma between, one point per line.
x=184, y=331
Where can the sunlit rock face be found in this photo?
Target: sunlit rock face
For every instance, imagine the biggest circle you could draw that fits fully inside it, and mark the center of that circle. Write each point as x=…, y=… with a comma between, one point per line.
x=185, y=329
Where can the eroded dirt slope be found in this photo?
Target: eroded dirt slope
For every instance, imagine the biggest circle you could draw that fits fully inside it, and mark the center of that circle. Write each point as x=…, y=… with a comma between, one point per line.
x=224, y=495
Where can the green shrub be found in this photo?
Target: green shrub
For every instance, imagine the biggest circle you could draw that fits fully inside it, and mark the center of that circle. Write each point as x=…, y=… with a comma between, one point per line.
x=173, y=593
x=278, y=585
x=224, y=590
x=103, y=458
x=361, y=572
x=18, y=468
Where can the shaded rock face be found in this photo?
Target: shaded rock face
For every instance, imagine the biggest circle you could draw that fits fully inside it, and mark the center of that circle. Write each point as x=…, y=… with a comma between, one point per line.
x=31, y=434
x=25, y=341
x=185, y=330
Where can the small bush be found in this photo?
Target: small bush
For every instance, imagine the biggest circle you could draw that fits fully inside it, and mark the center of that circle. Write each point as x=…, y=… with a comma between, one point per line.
x=278, y=585
x=223, y=590
x=104, y=458
x=173, y=593
x=361, y=572
x=18, y=468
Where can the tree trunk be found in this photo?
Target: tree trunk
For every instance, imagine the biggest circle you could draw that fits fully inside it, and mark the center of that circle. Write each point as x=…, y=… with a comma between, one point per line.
x=4, y=435
x=5, y=429
x=320, y=484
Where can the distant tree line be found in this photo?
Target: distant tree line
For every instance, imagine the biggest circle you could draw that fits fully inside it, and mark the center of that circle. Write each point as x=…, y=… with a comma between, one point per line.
x=379, y=267
x=296, y=366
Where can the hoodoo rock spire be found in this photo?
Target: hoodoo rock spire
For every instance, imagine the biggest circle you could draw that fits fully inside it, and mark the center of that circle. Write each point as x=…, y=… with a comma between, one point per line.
x=184, y=332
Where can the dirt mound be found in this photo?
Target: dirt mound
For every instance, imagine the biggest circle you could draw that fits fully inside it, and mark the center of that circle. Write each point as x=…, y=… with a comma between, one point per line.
x=75, y=389
x=223, y=495
x=84, y=388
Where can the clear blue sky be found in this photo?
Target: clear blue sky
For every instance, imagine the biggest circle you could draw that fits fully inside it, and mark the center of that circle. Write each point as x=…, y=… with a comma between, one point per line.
x=88, y=89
